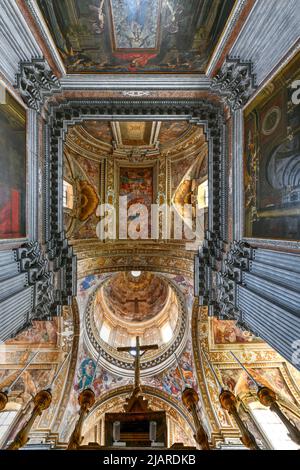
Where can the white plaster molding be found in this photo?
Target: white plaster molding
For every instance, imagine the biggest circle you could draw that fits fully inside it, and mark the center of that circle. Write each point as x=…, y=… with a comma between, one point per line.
x=39, y=19
x=17, y=43
x=238, y=7
x=135, y=83
x=269, y=33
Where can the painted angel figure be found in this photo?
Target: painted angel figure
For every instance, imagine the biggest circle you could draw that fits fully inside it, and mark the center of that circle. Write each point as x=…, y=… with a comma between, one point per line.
x=174, y=18
x=99, y=24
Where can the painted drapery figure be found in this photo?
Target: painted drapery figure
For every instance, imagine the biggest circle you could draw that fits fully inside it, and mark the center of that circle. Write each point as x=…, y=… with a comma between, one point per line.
x=13, y=169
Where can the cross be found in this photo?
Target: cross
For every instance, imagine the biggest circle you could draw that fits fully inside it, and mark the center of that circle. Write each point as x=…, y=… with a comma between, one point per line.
x=139, y=352
x=136, y=302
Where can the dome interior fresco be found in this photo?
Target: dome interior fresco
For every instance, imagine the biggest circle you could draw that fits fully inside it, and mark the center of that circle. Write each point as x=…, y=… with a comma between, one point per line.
x=125, y=306
x=135, y=299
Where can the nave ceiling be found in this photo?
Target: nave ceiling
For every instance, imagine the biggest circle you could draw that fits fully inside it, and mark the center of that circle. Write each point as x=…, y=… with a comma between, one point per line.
x=135, y=36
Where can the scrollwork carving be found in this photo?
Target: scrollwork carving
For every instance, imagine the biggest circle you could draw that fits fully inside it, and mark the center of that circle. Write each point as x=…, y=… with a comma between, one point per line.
x=236, y=82
x=34, y=81
x=220, y=271
x=52, y=272
x=33, y=261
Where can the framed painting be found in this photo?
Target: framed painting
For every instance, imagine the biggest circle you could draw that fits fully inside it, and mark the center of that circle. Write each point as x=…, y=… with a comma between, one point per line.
x=13, y=169
x=138, y=184
x=272, y=160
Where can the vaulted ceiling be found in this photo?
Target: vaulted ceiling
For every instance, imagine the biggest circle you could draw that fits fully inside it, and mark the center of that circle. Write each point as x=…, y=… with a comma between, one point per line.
x=130, y=36
x=144, y=160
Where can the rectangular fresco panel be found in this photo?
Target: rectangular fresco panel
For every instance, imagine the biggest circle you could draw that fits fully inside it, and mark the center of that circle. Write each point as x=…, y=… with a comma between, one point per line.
x=135, y=23
x=226, y=332
x=13, y=169
x=137, y=184
x=272, y=160
x=135, y=133
x=130, y=36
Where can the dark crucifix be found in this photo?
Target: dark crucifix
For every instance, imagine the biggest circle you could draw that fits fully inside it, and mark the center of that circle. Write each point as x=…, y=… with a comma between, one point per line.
x=139, y=352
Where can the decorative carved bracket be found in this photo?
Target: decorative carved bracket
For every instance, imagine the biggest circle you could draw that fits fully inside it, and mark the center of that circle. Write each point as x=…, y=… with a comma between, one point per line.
x=220, y=271
x=210, y=256
x=236, y=81
x=53, y=275
x=64, y=263
x=233, y=263
x=34, y=262
x=34, y=81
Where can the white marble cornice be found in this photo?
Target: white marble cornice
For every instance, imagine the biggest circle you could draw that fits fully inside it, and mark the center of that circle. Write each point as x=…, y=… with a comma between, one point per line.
x=135, y=85
x=17, y=43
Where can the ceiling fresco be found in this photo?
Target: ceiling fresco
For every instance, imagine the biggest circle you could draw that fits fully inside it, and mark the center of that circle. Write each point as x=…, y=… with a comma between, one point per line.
x=170, y=131
x=136, y=36
x=138, y=133
x=100, y=130
x=135, y=133
x=136, y=299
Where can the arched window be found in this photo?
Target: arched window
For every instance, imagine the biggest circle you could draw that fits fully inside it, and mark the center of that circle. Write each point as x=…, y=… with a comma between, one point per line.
x=7, y=418
x=202, y=196
x=166, y=332
x=272, y=428
x=105, y=332
x=68, y=195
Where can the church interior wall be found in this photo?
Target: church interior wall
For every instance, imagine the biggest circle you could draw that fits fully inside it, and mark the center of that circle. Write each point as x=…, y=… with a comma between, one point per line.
x=244, y=139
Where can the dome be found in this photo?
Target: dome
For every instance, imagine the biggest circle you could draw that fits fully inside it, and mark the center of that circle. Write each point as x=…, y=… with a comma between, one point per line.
x=135, y=298
x=130, y=304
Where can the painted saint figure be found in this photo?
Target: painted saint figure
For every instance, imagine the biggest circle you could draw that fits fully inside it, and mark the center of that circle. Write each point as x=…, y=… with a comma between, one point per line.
x=86, y=373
